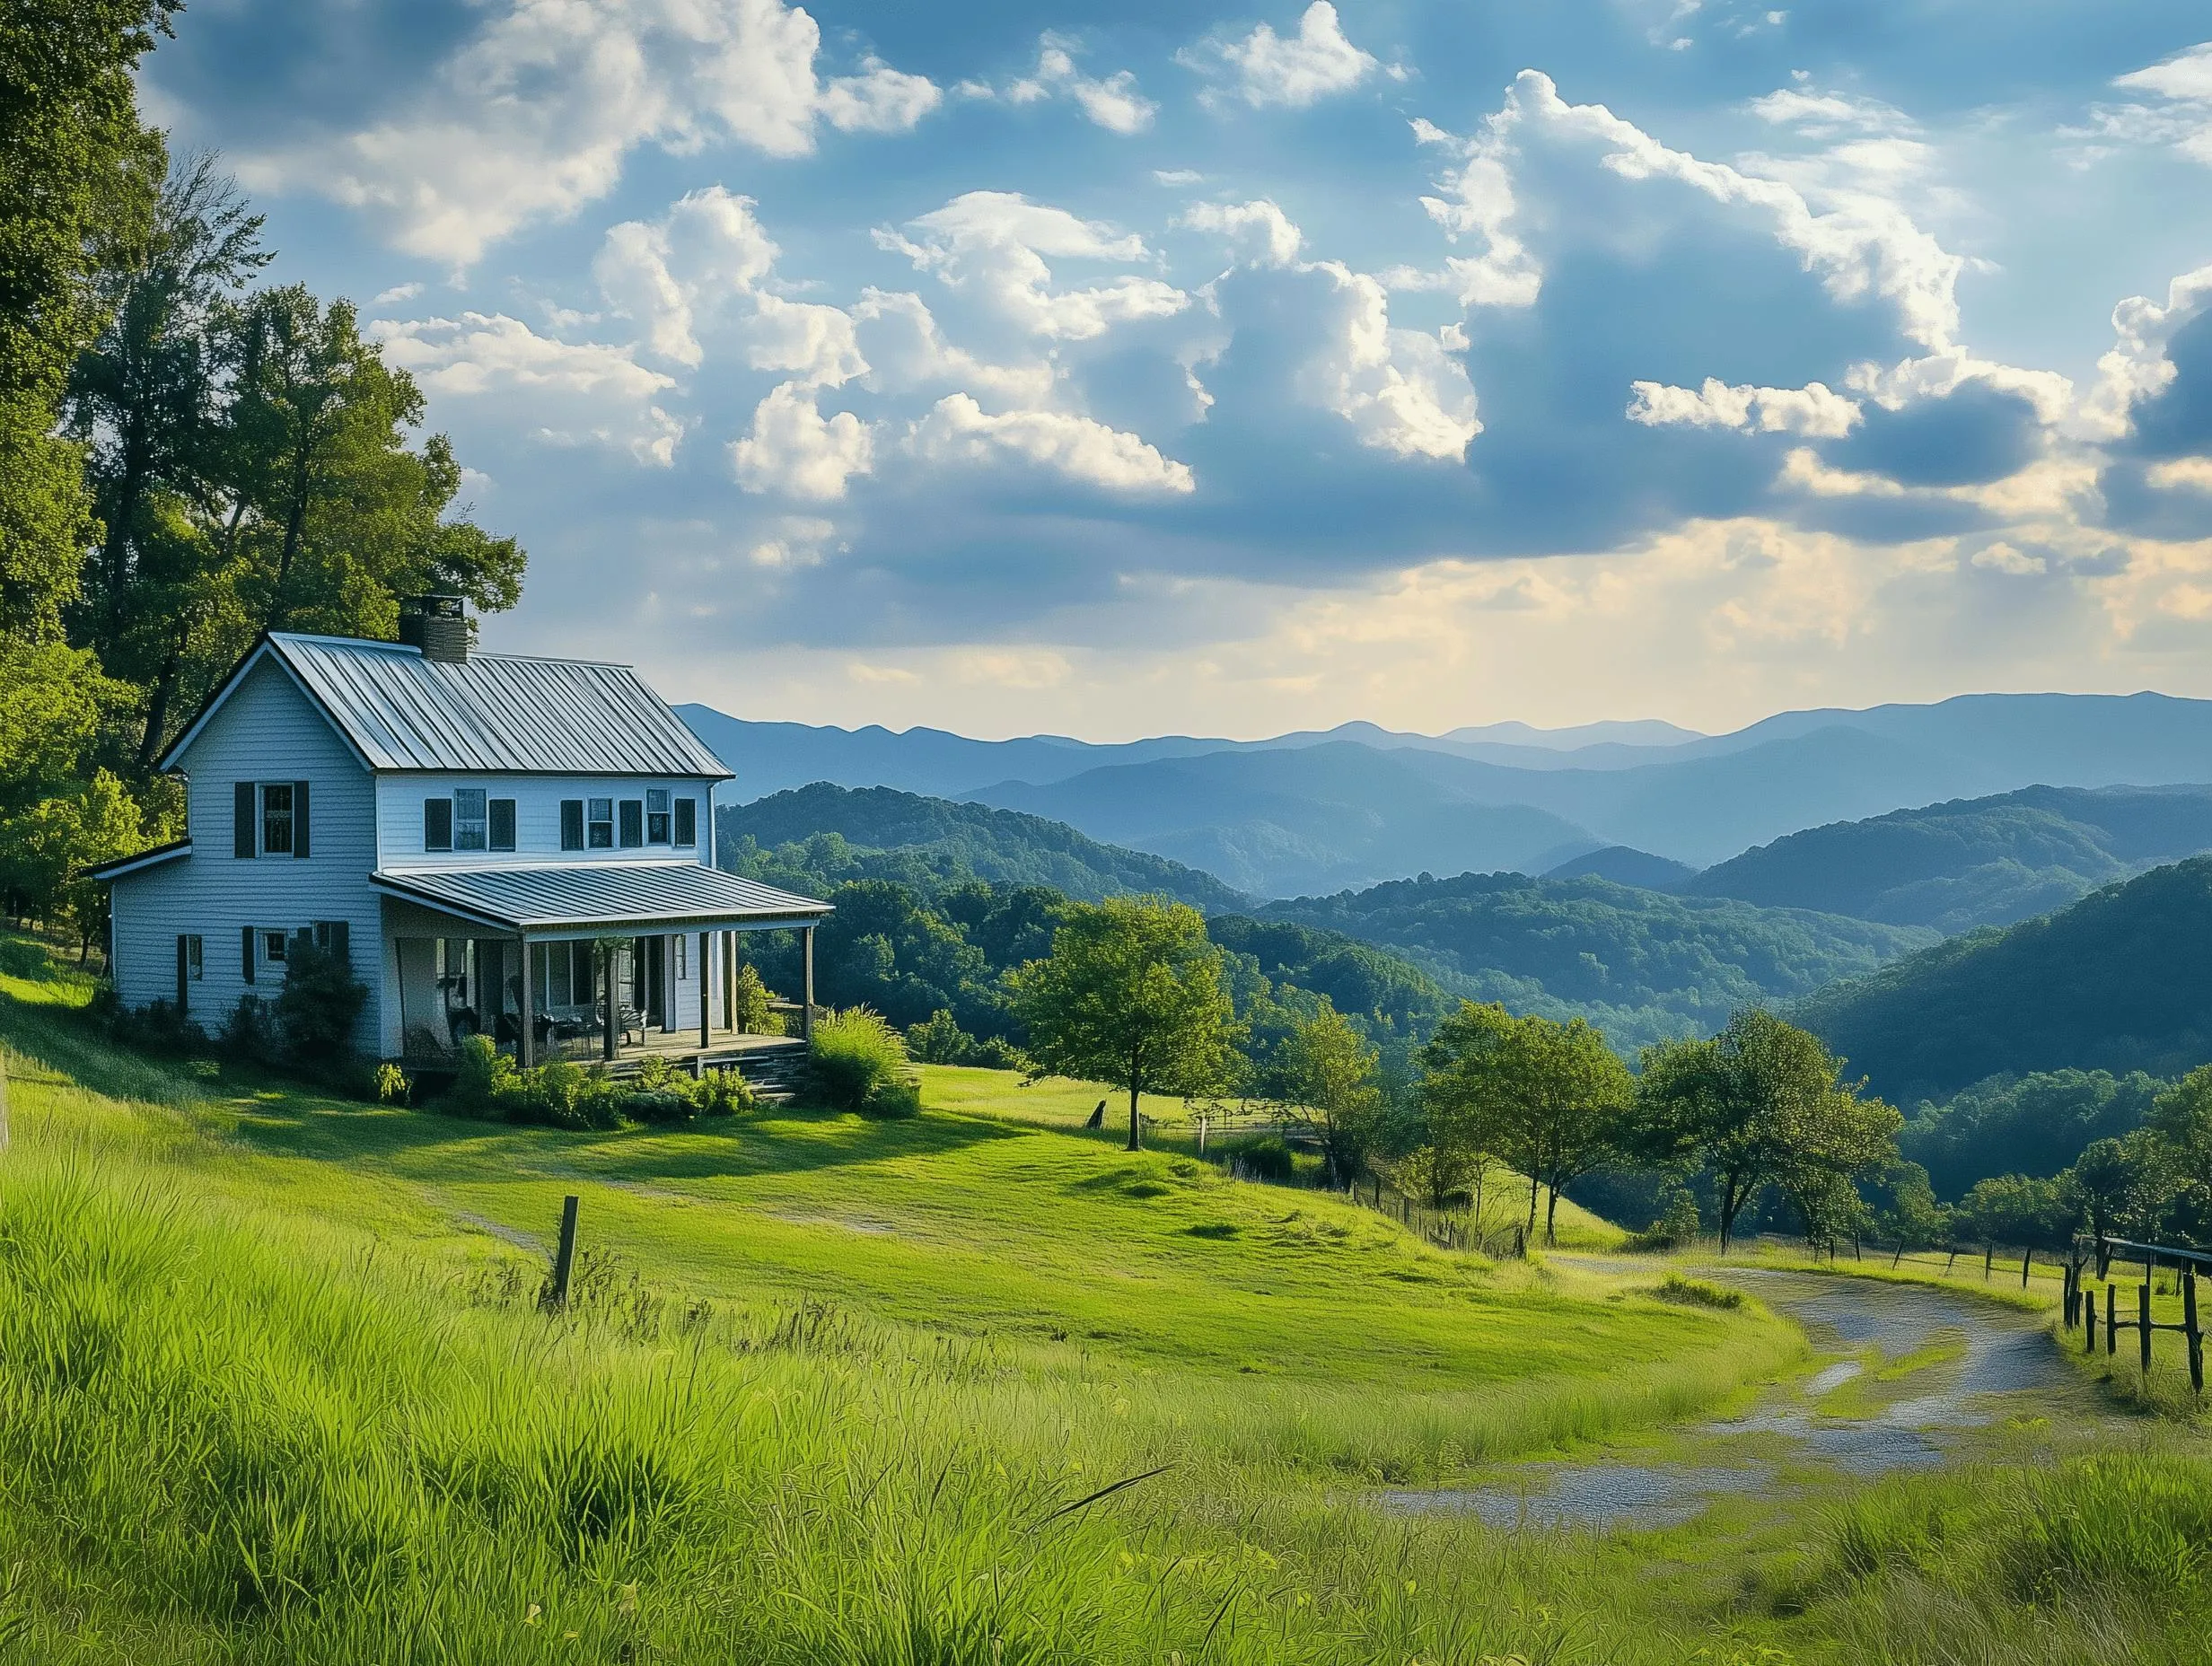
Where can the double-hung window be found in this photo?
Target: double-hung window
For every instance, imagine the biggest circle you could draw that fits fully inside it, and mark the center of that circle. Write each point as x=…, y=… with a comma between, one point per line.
x=471, y=831
x=277, y=818
x=468, y=819
x=633, y=823
x=600, y=825
x=656, y=816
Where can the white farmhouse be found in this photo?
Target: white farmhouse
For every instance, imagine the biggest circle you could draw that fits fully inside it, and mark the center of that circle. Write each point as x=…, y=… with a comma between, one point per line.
x=516, y=848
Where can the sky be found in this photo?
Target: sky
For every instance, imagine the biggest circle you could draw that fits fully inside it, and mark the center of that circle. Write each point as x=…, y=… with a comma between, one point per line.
x=1116, y=370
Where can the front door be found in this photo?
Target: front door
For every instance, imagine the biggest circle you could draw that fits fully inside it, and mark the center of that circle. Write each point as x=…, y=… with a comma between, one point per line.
x=651, y=983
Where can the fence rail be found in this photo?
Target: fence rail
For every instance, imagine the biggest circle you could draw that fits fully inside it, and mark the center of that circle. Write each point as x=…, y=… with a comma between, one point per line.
x=2081, y=1300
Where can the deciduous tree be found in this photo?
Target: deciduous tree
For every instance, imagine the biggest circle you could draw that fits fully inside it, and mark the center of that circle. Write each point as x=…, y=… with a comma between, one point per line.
x=1130, y=995
x=1326, y=1075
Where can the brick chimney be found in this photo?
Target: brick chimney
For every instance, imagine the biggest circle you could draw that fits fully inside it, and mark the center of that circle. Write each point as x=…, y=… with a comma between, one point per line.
x=438, y=625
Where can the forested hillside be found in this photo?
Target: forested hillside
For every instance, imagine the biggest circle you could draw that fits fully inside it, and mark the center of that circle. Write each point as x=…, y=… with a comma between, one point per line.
x=913, y=946
x=845, y=833
x=2119, y=981
x=1639, y=964
x=1971, y=862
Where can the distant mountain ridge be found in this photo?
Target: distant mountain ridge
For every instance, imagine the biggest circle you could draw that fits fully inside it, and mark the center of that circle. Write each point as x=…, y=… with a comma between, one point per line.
x=929, y=842
x=1971, y=862
x=1638, y=964
x=1295, y=813
x=2119, y=981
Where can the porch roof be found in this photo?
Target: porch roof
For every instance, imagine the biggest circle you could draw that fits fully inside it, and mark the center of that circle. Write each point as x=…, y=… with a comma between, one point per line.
x=614, y=895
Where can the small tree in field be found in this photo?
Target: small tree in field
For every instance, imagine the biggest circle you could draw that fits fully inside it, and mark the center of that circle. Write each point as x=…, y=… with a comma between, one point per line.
x=1130, y=995
x=1327, y=1076
x=1547, y=1098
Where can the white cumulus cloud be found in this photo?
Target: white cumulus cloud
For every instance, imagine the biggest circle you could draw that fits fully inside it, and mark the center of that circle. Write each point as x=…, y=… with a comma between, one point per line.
x=1266, y=68
x=1262, y=232
x=993, y=245
x=536, y=114
x=1110, y=102
x=562, y=393
x=1812, y=410
x=957, y=428
x=795, y=451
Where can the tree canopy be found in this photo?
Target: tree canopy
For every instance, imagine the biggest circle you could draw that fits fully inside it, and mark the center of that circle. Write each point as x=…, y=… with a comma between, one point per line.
x=1131, y=995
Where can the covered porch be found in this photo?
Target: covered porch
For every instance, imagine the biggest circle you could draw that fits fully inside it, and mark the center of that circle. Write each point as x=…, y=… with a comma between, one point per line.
x=600, y=963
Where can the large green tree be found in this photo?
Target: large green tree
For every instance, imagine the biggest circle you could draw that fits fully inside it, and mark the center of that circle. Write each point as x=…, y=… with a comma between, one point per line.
x=76, y=187
x=1547, y=1099
x=1130, y=995
x=1325, y=1073
x=148, y=400
x=1763, y=1103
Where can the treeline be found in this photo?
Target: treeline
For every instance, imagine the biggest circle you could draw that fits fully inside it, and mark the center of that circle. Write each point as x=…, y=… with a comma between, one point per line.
x=938, y=959
x=189, y=456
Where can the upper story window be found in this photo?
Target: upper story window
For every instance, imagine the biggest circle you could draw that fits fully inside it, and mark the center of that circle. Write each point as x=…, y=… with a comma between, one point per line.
x=633, y=823
x=468, y=819
x=269, y=818
x=601, y=824
x=656, y=816
x=277, y=819
x=687, y=822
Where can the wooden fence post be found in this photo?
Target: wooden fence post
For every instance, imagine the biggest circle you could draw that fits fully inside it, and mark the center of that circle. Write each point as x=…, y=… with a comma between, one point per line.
x=2026, y=1257
x=1989, y=1260
x=2089, y=1309
x=2112, y=1319
x=2142, y=1322
x=2190, y=1330
x=564, y=1257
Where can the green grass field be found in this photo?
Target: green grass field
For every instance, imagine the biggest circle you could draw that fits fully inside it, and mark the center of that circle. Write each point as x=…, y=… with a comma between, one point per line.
x=274, y=1387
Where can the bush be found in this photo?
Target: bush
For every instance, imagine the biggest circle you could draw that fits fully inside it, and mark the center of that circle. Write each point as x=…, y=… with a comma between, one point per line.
x=750, y=997
x=1266, y=1158
x=562, y=1095
x=392, y=1087
x=249, y=1035
x=726, y=1093
x=317, y=1007
x=938, y=1039
x=487, y=1081
x=658, y=1105
x=894, y=1097
x=1677, y=1224
x=158, y=1027
x=854, y=1053
x=999, y=1054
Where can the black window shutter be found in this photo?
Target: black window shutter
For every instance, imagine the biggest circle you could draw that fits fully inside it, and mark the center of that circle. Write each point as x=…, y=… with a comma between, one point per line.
x=687, y=821
x=245, y=939
x=184, y=974
x=437, y=824
x=502, y=824
x=299, y=817
x=572, y=824
x=341, y=941
x=242, y=842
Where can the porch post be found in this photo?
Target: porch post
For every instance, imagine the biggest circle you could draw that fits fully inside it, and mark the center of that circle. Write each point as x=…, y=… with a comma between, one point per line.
x=706, y=1006
x=606, y=1012
x=806, y=1013
x=729, y=982
x=526, y=1035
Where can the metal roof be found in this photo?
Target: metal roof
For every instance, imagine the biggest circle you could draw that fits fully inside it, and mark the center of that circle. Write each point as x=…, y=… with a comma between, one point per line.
x=494, y=714
x=618, y=894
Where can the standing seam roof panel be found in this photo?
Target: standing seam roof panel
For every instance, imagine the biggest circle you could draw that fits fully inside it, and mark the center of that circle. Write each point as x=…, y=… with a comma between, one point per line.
x=495, y=712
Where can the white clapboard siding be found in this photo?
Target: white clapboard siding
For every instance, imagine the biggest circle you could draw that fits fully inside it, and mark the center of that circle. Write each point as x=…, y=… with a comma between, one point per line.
x=536, y=818
x=267, y=731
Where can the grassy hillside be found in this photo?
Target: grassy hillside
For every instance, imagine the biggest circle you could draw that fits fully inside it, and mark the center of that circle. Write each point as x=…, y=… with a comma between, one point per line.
x=971, y=1389
x=933, y=842
x=273, y=1390
x=1971, y=861
x=2116, y=982
x=1638, y=964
